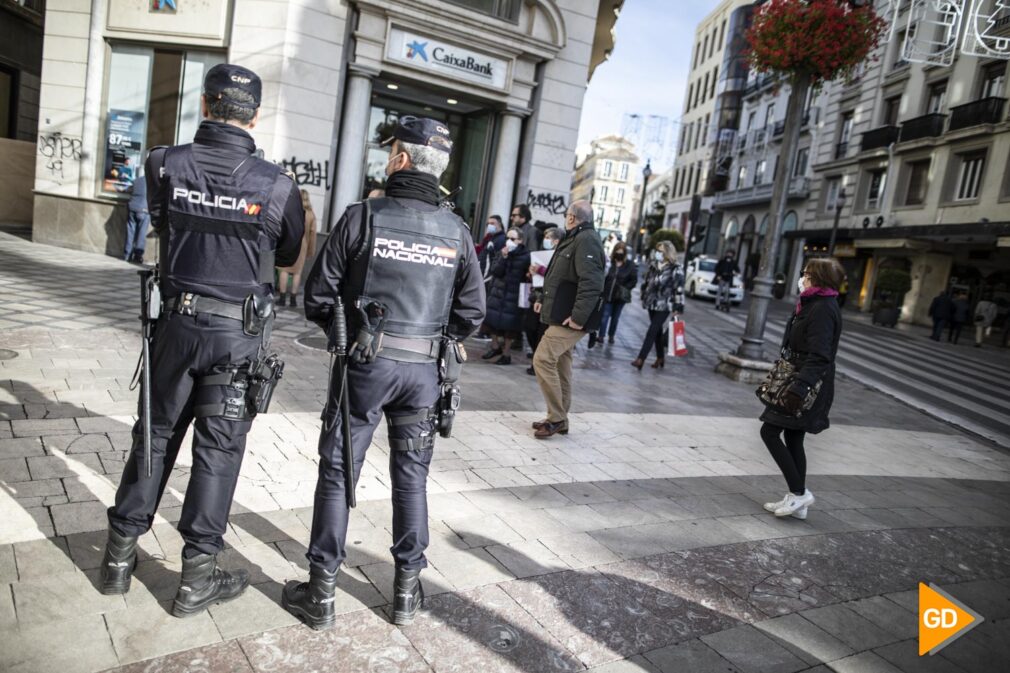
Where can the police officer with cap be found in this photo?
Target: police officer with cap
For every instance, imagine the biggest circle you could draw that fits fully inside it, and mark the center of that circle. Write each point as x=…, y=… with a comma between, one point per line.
x=407, y=272
x=225, y=219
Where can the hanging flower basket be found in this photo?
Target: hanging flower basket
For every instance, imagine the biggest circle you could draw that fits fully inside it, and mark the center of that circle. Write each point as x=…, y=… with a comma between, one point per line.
x=817, y=39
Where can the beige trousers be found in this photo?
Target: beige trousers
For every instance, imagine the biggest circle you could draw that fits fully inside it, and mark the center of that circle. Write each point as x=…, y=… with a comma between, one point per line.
x=553, y=365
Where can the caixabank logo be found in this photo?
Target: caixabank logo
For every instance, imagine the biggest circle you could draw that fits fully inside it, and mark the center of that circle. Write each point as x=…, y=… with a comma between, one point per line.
x=942, y=619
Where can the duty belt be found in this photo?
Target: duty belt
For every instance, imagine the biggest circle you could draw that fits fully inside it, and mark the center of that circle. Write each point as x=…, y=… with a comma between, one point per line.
x=188, y=303
x=426, y=347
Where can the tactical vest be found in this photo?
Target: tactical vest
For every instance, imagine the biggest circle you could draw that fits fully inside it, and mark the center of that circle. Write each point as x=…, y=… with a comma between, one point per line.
x=412, y=259
x=215, y=241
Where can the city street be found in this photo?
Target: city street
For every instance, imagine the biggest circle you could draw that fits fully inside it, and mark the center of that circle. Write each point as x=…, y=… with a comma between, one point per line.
x=635, y=543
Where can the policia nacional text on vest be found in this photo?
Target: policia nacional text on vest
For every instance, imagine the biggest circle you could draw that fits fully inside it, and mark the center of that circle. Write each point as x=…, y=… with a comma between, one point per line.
x=407, y=273
x=224, y=218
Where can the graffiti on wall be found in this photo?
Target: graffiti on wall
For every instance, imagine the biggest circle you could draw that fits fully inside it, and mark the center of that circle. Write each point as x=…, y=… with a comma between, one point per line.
x=308, y=172
x=545, y=202
x=57, y=149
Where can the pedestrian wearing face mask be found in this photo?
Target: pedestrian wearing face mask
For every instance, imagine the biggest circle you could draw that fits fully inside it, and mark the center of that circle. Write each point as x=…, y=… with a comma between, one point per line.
x=504, y=317
x=810, y=343
x=532, y=325
x=662, y=293
x=622, y=277
x=494, y=241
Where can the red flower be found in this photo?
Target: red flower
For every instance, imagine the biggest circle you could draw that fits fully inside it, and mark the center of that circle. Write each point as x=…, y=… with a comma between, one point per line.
x=825, y=39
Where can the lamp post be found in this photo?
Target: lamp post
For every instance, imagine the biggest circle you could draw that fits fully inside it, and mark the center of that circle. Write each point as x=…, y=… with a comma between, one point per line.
x=839, y=204
x=646, y=174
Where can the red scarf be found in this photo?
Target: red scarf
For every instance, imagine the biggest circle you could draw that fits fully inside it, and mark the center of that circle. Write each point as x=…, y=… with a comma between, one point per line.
x=814, y=292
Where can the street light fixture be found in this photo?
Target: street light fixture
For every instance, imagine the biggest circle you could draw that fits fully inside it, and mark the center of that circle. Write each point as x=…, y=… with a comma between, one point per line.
x=646, y=174
x=839, y=204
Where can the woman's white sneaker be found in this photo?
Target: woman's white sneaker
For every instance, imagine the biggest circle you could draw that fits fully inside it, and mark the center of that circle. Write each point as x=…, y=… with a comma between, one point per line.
x=772, y=506
x=800, y=514
x=794, y=503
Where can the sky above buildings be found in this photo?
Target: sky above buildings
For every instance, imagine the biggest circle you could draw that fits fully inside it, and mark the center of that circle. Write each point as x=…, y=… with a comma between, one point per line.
x=648, y=69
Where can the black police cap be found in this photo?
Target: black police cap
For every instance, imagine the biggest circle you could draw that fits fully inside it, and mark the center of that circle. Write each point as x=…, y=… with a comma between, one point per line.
x=422, y=131
x=228, y=76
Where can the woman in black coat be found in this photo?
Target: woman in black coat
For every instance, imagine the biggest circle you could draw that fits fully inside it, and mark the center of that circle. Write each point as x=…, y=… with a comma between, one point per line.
x=810, y=342
x=504, y=317
x=622, y=277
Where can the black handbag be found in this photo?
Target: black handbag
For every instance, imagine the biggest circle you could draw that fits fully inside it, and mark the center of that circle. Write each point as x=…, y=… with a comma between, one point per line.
x=773, y=389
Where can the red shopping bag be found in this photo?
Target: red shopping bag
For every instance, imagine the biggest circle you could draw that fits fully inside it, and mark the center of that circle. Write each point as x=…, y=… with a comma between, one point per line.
x=678, y=340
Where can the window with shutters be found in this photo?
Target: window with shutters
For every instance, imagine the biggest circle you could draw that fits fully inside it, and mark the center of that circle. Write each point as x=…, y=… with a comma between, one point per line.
x=918, y=181
x=970, y=167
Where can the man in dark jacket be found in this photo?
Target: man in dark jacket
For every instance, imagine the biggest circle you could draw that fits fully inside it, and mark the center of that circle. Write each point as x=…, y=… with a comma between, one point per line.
x=520, y=218
x=939, y=310
x=137, y=220
x=224, y=218
x=725, y=269
x=960, y=313
x=572, y=291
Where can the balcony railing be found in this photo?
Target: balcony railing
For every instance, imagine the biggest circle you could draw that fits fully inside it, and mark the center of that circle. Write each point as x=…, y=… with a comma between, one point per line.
x=878, y=138
x=982, y=111
x=927, y=126
x=799, y=188
x=779, y=128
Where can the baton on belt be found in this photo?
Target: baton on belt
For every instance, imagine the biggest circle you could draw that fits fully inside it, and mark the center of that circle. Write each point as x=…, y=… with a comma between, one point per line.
x=337, y=347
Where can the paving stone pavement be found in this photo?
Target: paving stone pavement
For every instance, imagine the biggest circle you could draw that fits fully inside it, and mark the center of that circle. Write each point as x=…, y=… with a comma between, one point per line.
x=636, y=543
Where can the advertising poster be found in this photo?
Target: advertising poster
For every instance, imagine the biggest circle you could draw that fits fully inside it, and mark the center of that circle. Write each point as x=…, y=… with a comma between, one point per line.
x=123, y=144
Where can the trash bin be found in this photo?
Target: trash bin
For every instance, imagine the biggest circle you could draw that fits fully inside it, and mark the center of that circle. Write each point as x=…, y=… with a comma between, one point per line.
x=779, y=288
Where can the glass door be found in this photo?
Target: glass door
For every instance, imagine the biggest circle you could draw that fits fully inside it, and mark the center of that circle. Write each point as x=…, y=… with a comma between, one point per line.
x=473, y=156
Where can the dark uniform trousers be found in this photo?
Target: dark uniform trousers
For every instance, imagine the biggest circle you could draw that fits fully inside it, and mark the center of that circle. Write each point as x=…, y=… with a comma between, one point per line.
x=402, y=391
x=186, y=348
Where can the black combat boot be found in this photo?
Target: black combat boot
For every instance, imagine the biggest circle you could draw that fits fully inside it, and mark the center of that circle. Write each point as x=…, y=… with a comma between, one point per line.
x=118, y=564
x=312, y=601
x=408, y=596
x=204, y=584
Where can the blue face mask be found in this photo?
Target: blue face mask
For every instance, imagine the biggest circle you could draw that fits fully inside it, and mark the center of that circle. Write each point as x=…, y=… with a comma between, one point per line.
x=492, y=229
x=548, y=244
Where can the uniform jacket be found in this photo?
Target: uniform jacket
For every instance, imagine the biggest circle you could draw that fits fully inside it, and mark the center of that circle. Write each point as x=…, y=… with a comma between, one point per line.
x=625, y=275
x=219, y=149
x=577, y=259
x=812, y=338
x=332, y=270
x=663, y=289
x=507, y=274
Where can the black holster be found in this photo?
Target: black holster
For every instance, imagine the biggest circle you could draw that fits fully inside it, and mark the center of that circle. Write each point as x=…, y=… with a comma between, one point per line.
x=450, y=366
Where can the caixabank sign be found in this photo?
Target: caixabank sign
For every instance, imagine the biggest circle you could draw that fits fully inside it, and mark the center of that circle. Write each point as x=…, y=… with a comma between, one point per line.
x=453, y=61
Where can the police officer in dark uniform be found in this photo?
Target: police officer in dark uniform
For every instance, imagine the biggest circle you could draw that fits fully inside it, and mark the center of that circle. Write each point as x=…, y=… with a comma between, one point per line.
x=407, y=272
x=224, y=218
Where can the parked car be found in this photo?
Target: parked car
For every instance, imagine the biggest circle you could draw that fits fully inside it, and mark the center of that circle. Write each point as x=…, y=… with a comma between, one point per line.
x=699, y=280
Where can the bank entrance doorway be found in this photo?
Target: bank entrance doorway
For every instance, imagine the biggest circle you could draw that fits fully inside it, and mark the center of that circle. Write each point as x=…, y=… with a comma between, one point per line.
x=472, y=129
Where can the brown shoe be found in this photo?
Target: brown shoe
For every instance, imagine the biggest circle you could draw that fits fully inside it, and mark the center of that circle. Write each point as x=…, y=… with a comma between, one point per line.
x=539, y=424
x=549, y=429
x=637, y=363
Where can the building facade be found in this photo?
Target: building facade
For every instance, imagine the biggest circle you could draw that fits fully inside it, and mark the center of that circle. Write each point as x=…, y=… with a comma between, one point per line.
x=753, y=165
x=915, y=161
x=507, y=77
x=606, y=178
x=711, y=116
x=21, y=29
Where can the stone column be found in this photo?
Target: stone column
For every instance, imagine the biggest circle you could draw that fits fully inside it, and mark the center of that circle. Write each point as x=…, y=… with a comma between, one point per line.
x=354, y=130
x=503, y=169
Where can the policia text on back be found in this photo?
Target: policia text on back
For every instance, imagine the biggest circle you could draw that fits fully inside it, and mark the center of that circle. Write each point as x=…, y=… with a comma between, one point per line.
x=224, y=219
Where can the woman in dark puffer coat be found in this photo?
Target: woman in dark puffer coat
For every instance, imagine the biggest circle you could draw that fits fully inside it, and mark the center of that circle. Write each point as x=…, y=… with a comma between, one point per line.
x=504, y=317
x=810, y=342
